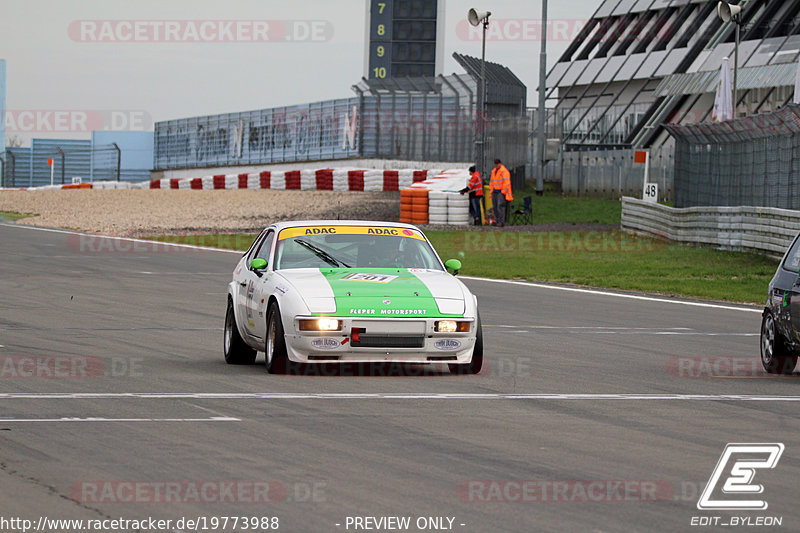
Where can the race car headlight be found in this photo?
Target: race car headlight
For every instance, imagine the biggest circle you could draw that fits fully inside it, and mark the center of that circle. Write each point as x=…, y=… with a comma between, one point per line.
x=446, y=326
x=451, y=326
x=320, y=324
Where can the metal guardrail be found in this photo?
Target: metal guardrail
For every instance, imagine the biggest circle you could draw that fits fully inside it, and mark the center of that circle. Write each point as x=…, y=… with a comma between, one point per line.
x=766, y=230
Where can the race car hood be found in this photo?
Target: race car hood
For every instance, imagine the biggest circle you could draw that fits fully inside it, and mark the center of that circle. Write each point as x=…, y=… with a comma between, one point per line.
x=378, y=292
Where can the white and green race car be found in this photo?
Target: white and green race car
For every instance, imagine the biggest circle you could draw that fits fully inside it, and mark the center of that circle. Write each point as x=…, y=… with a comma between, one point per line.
x=349, y=292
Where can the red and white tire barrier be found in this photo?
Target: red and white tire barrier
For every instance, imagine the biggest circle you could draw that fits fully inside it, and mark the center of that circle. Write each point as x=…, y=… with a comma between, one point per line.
x=324, y=179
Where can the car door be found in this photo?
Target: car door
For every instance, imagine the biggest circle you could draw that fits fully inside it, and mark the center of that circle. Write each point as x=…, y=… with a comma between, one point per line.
x=787, y=288
x=242, y=279
x=257, y=288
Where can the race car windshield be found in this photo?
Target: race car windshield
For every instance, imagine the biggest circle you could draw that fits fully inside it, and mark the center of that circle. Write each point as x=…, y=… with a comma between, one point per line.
x=343, y=248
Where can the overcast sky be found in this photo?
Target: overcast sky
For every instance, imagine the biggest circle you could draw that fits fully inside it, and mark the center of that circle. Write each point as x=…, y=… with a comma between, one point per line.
x=59, y=57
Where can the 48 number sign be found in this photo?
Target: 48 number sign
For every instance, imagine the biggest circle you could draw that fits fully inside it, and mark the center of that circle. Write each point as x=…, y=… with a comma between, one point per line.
x=650, y=192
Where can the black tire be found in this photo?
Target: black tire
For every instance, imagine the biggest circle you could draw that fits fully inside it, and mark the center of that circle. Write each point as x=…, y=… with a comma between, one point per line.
x=275, y=356
x=236, y=351
x=776, y=357
x=476, y=365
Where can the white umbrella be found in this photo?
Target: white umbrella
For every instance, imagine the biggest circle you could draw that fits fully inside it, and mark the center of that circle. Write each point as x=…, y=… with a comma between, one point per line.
x=723, y=101
x=796, y=98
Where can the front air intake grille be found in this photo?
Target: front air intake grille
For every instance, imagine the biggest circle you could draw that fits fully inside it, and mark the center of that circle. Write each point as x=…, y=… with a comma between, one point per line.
x=388, y=341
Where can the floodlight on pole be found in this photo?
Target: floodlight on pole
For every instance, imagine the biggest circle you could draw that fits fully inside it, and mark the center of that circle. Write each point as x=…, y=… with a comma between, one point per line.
x=732, y=13
x=542, y=102
x=475, y=18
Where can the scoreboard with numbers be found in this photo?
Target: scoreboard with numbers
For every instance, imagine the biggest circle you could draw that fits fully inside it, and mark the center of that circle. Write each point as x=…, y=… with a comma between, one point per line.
x=403, y=38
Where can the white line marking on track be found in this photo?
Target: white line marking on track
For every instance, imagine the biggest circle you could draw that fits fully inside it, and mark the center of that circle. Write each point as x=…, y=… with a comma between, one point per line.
x=184, y=273
x=99, y=419
x=391, y=396
x=611, y=330
x=128, y=239
x=28, y=328
x=582, y=327
x=523, y=283
x=614, y=294
x=688, y=333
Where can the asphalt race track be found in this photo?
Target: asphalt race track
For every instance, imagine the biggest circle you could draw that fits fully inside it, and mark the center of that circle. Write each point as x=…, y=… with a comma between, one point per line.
x=596, y=412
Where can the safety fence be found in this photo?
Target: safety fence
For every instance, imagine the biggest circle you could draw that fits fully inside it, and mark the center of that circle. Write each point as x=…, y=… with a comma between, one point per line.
x=612, y=173
x=752, y=160
x=767, y=230
x=424, y=119
x=28, y=167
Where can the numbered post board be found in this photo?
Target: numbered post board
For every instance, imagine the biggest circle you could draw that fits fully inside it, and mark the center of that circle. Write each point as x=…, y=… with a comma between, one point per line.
x=650, y=192
x=402, y=39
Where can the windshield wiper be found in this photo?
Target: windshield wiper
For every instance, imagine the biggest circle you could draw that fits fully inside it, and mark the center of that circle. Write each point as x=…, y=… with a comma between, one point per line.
x=322, y=254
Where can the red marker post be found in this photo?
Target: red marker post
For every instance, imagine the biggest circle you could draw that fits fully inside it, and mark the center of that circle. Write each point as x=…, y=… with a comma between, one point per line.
x=52, y=168
x=649, y=190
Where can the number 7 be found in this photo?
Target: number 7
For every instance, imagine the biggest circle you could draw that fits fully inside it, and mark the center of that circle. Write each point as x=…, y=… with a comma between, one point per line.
x=381, y=5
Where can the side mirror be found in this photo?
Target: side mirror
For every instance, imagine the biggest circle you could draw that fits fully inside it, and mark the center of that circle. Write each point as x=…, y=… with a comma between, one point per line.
x=454, y=265
x=258, y=264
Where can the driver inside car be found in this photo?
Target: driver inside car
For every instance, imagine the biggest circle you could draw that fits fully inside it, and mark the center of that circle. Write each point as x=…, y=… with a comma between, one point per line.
x=382, y=253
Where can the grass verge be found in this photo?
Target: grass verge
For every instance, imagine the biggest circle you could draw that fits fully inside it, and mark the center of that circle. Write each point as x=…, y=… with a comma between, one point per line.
x=14, y=215
x=612, y=260
x=552, y=207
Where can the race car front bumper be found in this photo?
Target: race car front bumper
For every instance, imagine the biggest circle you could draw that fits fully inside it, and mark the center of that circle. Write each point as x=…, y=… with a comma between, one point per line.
x=373, y=340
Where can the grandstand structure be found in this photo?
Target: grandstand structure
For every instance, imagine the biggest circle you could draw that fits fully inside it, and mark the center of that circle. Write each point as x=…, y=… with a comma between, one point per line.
x=639, y=64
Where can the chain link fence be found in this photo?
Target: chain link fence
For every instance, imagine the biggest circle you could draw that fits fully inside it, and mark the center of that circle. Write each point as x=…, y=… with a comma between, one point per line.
x=748, y=161
x=408, y=119
x=28, y=167
x=612, y=173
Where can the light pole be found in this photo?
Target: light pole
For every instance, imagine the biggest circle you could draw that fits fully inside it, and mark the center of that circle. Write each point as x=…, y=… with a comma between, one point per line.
x=475, y=18
x=727, y=13
x=542, y=110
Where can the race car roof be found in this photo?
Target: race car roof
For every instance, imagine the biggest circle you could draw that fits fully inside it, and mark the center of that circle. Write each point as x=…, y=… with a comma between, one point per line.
x=301, y=223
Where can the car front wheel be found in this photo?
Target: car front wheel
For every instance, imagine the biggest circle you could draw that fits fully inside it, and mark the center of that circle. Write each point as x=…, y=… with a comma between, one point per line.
x=236, y=351
x=776, y=357
x=275, y=345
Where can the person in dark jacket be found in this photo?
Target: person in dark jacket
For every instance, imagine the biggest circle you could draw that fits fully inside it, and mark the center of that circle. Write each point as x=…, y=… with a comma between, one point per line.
x=475, y=189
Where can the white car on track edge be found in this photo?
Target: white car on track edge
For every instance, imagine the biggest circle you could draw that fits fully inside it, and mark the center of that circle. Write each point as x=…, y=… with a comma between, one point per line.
x=325, y=291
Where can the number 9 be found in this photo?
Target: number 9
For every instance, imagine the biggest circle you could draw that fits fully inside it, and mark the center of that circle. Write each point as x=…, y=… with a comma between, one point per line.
x=380, y=51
